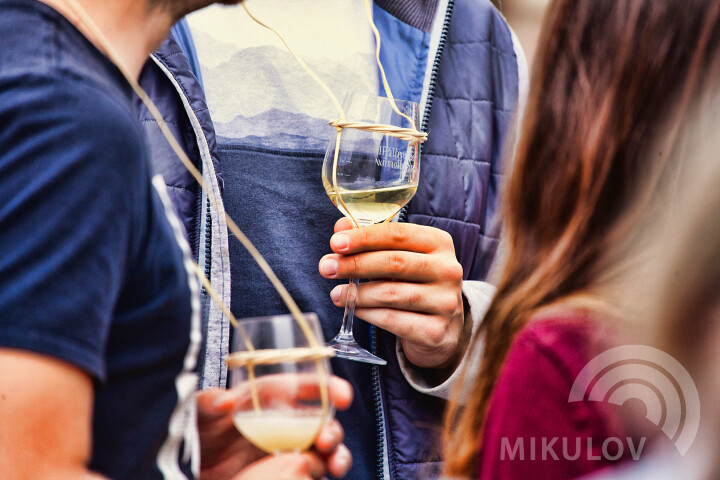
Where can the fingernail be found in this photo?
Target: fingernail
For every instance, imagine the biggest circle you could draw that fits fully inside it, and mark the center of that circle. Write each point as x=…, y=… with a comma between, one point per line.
x=335, y=293
x=221, y=401
x=329, y=267
x=340, y=242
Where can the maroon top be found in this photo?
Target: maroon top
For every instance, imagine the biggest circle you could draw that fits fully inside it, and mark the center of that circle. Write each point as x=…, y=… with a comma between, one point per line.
x=532, y=431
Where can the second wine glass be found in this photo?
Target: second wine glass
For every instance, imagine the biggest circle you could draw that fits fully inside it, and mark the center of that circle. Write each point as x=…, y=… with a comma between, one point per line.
x=373, y=175
x=280, y=405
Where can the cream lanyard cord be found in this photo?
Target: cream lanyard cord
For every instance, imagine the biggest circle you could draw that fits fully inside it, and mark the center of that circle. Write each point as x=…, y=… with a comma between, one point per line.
x=317, y=352
x=411, y=135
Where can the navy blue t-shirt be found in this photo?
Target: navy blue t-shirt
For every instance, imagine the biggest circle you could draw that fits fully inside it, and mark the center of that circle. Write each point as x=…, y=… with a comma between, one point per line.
x=93, y=269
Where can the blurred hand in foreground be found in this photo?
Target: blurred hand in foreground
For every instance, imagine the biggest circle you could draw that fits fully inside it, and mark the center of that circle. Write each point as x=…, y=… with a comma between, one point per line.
x=226, y=454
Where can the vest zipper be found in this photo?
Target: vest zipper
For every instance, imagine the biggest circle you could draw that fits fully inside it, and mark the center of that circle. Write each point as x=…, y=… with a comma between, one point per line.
x=208, y=241
x=403, y=215
x=379, y=411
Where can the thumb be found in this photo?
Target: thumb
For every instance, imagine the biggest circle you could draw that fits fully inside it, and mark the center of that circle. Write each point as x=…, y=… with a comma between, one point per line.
x=215, y=402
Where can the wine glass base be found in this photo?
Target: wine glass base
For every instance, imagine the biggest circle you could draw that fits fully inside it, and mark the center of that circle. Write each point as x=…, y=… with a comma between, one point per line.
x=350, y=350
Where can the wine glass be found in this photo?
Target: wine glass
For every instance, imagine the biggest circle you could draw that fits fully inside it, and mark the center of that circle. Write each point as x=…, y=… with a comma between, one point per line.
x=374, y=176
x=279, y=382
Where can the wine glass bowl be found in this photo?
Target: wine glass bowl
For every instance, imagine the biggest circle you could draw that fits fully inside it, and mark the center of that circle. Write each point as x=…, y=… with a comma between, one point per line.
x=279, y=382
x=376, y=174
x=371, y=170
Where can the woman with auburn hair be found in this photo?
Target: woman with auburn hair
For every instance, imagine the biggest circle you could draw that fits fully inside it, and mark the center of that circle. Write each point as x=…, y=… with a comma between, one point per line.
x=607, y=79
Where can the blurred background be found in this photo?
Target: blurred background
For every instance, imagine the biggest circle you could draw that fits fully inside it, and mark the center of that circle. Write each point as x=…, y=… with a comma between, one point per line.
x=525, y=17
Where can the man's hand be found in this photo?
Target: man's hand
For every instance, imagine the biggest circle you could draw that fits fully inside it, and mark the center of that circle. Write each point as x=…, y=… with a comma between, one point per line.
x=415, y=287
x=291, y=466
x=298, y=466
x=225, y=454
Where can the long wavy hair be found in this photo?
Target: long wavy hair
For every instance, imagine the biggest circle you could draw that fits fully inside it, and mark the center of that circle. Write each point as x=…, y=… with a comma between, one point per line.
x=607, y=79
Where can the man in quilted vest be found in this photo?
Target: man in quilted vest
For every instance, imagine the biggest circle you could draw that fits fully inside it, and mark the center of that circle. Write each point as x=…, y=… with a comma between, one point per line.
x=459, y=60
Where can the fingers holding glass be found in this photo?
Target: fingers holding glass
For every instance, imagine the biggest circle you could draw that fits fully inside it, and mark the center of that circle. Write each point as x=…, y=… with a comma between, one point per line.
x=280, y=382
x=370, y=172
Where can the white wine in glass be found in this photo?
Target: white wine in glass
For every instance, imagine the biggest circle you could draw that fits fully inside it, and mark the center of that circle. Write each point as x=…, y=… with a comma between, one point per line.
x=371, y=205
x=277, y=431
x=372, y=176
x=279, y=407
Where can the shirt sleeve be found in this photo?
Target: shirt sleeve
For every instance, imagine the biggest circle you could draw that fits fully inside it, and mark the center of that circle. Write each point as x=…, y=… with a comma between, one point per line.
x=532, y=431
x=68, y=153
x=478, y=296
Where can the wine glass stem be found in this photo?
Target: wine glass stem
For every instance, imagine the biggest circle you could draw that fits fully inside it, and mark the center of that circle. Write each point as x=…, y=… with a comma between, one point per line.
x=346, y=330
